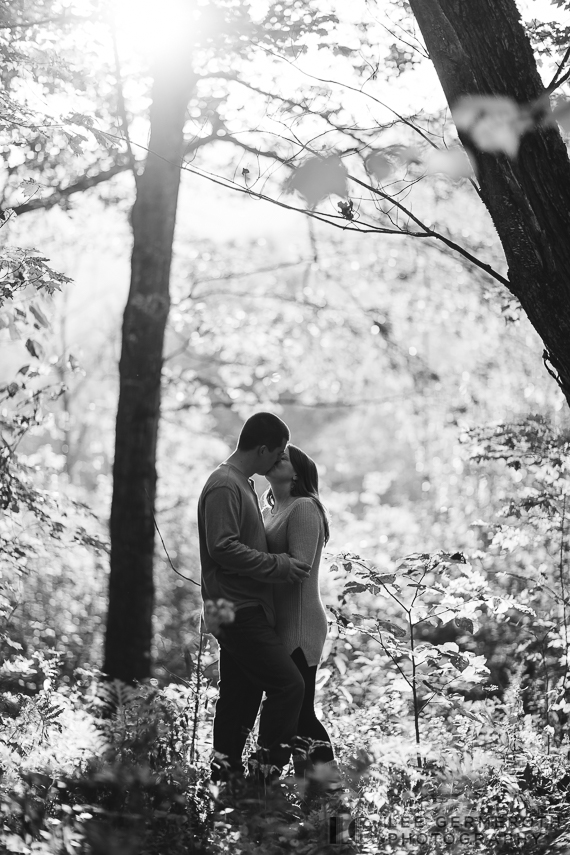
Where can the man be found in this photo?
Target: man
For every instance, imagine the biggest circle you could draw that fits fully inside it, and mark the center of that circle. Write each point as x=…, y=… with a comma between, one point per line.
x=237, y=567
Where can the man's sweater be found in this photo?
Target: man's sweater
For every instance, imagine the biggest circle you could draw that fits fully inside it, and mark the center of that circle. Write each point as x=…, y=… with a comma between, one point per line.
x=301, y=618
x=235, y=562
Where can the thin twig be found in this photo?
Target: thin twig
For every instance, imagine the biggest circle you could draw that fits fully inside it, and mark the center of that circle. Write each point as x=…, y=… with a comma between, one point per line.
x=556, y=81
x=188, y=579
x=563, y=588
x=198, y=687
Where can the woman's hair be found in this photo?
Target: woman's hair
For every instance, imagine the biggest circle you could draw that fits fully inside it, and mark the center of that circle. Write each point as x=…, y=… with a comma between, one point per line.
x=306, y=484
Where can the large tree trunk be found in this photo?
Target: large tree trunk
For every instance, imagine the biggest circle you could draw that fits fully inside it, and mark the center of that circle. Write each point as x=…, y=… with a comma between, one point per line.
x=479, y=47
x=131, y=589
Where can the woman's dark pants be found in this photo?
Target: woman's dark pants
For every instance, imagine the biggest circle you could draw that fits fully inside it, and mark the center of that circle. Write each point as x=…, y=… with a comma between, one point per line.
x=312, y=743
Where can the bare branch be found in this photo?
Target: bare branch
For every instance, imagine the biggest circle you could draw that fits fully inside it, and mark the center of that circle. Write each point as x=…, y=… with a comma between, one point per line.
x=557, y=80
x=340, y=222
x=408, y=122
x=60, y=193
x=429, y=232
x=335, y=220
x=420, y=50
x=325, y=116
x=242, y=274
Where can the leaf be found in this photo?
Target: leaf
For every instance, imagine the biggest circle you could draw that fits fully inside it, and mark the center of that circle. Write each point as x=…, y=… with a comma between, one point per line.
x=431, y=687
x=340, y=618
x=340, y=664
x=342, y=50
x=414, y=557
x=453, y=162
x=30, y=187
x=34, y=349
x=456, y=558
x=494, y=123
x=458, y=661
x=319, y=177
x=410, y=154
x=355, y=587
x=13, y=329
x=378, y=165
x=448, y=647
x=324, y=675
x=465, y=623
x=39, y=316
x=385, y=579
x=460, y=707
x=392, y=628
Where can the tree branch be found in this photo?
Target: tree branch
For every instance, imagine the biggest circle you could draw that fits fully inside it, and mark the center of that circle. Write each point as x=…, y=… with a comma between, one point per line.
x=405, y=121
x=556, y=80
x=60, y=193
x=335, y=220
x=340, y=222
x=429, y=232
x=325, y=116
x=88, y=181
x=242, y=274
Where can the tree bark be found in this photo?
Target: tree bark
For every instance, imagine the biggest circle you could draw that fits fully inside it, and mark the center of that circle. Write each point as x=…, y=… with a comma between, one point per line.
x=480, y=47
x=131, y=588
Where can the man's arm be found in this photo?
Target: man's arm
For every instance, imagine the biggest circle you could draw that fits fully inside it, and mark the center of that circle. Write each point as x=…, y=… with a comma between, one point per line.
x=222, y=528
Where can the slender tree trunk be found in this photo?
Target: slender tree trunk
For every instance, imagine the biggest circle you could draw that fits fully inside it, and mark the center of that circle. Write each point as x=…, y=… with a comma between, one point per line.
x=131, y=589
x=479, y=47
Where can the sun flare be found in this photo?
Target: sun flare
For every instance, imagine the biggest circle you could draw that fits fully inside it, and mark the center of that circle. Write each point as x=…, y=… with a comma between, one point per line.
x=152, y=30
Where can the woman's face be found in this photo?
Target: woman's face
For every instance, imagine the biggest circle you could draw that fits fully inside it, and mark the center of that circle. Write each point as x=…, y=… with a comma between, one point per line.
x=282, y=471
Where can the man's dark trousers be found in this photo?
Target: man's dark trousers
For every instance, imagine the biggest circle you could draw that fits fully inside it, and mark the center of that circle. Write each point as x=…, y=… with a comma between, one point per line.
x=252, y=661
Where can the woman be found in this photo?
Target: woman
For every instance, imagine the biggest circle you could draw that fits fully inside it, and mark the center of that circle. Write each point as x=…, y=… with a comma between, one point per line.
x=296, y=522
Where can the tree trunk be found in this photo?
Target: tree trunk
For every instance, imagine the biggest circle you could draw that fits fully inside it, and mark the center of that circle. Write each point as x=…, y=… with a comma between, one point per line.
x=479, y=47
x=131, y=588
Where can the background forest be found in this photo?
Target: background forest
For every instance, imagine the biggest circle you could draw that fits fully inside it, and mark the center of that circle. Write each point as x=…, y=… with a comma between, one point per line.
x=306, y=229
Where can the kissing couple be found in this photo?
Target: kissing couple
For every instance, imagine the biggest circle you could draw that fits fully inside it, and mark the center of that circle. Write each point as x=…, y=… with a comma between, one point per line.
x=267, y=565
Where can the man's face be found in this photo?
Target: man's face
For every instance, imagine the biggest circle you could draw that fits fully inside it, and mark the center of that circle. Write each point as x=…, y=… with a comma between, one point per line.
x=267, y=458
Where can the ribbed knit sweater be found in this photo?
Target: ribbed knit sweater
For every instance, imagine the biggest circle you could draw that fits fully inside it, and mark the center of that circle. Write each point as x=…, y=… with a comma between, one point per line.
x=235, y=562
x=300, y=615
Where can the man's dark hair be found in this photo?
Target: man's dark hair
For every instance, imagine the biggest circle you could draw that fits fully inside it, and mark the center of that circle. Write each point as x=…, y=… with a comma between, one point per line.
x=263, y=429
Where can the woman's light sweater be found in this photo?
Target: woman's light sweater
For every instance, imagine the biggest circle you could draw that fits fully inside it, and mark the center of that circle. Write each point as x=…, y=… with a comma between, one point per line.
x=301, y=619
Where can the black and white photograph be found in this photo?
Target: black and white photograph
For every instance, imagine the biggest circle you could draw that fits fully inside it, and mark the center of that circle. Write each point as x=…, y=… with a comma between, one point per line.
x=284, y=427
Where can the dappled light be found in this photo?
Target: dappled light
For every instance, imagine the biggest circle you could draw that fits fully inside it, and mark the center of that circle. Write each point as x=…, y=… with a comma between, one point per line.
x=284, y=389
